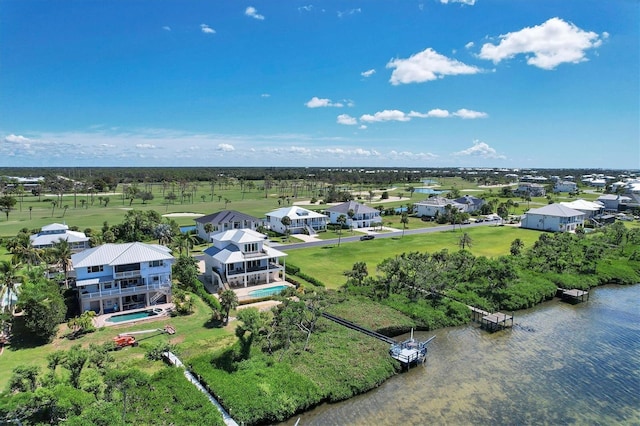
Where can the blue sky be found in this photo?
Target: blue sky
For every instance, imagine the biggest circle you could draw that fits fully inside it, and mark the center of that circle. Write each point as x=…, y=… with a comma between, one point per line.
x=433, y=83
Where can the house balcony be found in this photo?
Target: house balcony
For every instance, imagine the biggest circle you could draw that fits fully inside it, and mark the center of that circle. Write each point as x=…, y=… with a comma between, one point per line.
x=127, y=274
x=162, y=285
x=239, y=271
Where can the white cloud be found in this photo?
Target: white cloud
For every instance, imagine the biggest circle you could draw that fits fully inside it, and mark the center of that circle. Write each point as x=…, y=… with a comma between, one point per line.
x=166, y=28
x=265, y=95
x=306, y=8
x=546, y=46
x=145, y=146
x=226, y=147
x=207, y=29
x=480, y=149
x=408, y=155
x=427, y=65
x=347, y=120
x=107, y=145
x=18, y=139
x=434, y=113
x=362, y=127
x=469, y=45
x=386, y=115
x=470, y=114
x=349, y=12
x=316, y=102
x=467, y=2
x=368, y=73
x=252, y=12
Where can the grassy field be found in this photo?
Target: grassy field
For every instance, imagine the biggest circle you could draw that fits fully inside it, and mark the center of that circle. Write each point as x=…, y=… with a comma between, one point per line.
x=328, y=263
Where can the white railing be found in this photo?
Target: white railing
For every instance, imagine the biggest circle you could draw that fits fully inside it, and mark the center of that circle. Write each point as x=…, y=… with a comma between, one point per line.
x=127, y=274
x=124, y=291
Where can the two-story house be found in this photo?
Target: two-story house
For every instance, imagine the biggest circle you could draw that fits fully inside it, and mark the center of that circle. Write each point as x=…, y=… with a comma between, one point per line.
x=530, y=189
x=121, y=277
x=362, y=216
x=301, y=220
x=240, y=258
x=224, y=220
x=435, y=206
x=553, y=217
x=50, y=234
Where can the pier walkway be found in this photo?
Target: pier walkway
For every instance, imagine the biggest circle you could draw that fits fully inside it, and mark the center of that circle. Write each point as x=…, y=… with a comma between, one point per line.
x=491, y=321
x=573, y=295
x=356, y=327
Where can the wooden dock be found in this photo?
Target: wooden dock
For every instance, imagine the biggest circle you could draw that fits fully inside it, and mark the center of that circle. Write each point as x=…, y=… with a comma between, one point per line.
x=574, y=295
x=491, y=321
x=410, y=351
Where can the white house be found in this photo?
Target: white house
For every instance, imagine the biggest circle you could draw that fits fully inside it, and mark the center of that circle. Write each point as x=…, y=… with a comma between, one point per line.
x=363, y=216
x=55, y=232
x=223, y=221
x=553, y=217
x=302, y=220
x=471, y=203
x=612, y=202
x=530, y=189
x=565, y=186
x=241, y=258
x=120, y=277
x=435, y=206
x=589, y=208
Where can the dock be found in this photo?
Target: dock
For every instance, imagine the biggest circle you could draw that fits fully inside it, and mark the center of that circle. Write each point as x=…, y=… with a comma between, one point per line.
x=491, y=321
x=574, y=295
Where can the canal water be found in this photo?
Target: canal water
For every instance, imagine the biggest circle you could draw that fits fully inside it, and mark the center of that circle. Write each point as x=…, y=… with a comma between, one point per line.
x=560, y=364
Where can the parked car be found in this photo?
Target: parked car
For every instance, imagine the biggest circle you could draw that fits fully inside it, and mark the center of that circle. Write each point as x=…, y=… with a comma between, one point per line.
x=465, y=222
x=366, y=237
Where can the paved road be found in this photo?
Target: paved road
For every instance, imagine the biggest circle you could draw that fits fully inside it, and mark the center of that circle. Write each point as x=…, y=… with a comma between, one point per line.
x=396, y=234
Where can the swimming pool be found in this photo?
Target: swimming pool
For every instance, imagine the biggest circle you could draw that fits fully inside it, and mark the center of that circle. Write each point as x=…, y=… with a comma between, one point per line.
x=134, y=316
x=264, y=292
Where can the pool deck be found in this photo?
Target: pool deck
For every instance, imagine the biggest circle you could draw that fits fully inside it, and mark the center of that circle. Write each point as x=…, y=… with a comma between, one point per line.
x=243, y=292
x=101, y=320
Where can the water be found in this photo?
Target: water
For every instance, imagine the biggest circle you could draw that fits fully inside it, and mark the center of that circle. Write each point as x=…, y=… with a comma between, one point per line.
x=561, y=364
x=427, y=191
x=131, y=316
x=187, y=229
x=264, y=292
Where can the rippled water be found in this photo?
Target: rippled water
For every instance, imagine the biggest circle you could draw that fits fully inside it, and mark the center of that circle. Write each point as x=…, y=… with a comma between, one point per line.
x=561, y=364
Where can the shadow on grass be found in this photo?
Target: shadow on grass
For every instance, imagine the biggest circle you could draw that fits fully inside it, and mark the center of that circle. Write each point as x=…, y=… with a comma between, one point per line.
x=213, y=323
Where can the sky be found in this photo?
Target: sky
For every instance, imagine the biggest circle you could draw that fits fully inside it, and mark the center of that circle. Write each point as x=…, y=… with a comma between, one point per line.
x=377, y=83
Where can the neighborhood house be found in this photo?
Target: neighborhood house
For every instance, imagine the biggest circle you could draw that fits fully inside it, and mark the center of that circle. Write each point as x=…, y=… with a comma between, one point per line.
x=361, y=216
x=435, y=206
x=303, y=221
x=55, y=232
x=553, y=217
x=121, y=277
x=224, y=220
x=240, y=258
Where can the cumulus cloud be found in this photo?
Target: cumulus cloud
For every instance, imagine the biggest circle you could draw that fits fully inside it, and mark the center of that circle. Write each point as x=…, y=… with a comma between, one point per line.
x=265, y=95
x=347, y=120
x=467, y=2
x=18, y=139
x=349, y=12
x=207, y=29
x=226, y=147
x=166, y=28
x=480, y=149
x=386, y=115
x=434, y=113
x=316, y=102
x=469, y=45
x=145, y=146
x=468, y=114
x=427, y=65
x=408, y=155
x=368, y=73
x=547, y=45
x=307, y=8
x=252, y=12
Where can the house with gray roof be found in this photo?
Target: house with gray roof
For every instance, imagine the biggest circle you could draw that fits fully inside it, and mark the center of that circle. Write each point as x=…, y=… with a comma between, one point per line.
x=121, y=277
x=613, y=202
x=363, y=216
x=554, y=218
x=53, y=233
x=223, y=221
x=241, y=258
x=435, y=206
x=473, y=204
x=302, y=220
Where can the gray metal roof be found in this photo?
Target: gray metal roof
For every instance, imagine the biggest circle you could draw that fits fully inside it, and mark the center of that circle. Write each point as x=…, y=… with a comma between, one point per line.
x=120, y=254
x=226, y=216
x=358, y=208
x=556, y=210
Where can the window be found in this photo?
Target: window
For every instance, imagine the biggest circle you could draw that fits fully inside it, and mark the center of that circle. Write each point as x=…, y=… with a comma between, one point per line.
x=155, y=263
x=93, y=269
x=250, y=248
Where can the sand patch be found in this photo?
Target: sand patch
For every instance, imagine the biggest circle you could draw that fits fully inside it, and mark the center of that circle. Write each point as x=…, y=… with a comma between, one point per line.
x=186, y=214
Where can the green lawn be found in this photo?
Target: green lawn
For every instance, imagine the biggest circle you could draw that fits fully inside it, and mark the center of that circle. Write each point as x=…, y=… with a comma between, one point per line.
x=328, y=263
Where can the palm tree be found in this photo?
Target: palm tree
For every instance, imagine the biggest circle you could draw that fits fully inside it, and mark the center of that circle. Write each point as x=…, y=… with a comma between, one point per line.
x=404, y=220
x=9, y=280
x=516, y=247
x=342, y=220
x=54, y=203
x=286, y=221
x=61, y=251
x=228, y=301
x=351, y=215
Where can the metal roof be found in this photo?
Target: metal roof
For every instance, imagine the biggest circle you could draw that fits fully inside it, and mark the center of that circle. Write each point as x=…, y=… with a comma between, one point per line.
x=556, y=210
x=50, y=239
x=121, y=254
x=295, y=212
x=358, y=208
x=226, y=216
